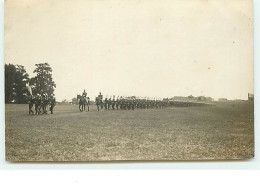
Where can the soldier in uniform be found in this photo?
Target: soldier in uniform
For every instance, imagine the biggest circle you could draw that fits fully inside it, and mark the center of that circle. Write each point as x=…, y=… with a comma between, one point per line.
x=100, y=96
x=38, y=100
x=52, y=103
x=45, y=102
x=84, y=94
x=31, y=101
x=88, y=102
x=105, y=103
x=113, y=103
x=123, y=104
x=117, y=103
x=109, y=102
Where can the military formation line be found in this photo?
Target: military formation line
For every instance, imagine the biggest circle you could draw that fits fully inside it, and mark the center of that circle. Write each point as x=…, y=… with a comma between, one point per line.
x=131, y=103
x=42, y=103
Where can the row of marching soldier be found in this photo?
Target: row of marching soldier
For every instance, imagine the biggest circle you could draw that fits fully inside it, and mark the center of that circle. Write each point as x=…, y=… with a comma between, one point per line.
x=128, y=103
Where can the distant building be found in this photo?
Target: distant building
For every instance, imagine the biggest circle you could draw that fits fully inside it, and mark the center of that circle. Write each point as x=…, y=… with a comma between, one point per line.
x=250, y=97
x=180, y=98
x=222, y=99
x=191, y=98
x=203, y=98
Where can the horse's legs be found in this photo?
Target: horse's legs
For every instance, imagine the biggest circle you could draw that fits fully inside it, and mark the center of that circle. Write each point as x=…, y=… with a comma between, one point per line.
x=79, y=108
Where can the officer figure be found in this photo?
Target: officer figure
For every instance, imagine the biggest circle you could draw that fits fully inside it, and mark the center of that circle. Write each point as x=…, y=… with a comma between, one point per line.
x=84, y=94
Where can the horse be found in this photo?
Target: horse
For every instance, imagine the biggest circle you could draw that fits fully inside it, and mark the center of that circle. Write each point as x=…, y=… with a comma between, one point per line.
x=82, y=103
x=99, y=103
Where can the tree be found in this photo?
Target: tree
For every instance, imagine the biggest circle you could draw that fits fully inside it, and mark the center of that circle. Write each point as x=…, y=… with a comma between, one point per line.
x=16, y=78
x=74, y=101
x=43, y=81
x=22, y=79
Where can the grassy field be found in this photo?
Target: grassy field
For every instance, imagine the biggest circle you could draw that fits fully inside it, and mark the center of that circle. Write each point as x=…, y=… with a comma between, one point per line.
x=224, y=131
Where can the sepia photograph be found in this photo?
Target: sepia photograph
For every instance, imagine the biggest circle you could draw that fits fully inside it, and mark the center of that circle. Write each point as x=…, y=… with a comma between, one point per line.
x=118, y=80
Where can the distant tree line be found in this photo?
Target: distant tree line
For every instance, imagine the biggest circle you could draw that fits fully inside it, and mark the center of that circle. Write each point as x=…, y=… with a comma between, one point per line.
x=17, y=80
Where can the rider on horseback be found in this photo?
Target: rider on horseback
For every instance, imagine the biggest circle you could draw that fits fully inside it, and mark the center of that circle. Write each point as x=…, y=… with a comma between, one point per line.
x=84, y=94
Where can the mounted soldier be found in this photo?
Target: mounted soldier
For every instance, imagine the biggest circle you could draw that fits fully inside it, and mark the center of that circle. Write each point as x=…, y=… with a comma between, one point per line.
x=84, y=94
x=84, y=100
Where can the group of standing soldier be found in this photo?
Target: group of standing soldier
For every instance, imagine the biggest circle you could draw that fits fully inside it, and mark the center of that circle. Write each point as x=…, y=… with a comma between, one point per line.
x=40, y=102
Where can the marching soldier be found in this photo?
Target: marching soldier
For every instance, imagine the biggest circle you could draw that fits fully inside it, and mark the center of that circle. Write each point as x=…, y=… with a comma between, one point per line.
x=113, y=103
x=105, y=103
x=117, y=103
x=88, y=101
x=31, y=101
x=109, y=103
x=45, y=102
x=52, y=103
x=100, y=96
x=38, y=100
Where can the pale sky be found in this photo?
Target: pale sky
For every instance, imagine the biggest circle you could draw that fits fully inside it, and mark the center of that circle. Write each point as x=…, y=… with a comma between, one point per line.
x=140, y=47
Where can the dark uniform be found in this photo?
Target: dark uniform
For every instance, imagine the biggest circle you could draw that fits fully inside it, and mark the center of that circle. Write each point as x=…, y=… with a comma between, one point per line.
x=113, y=103
x=45, y=102
x=38, y=101
x=52, y=103
x=84, y=94
x=105, y=103
x=100, y=97
x=31, y=101
x=117, y=103
x=109, y=102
